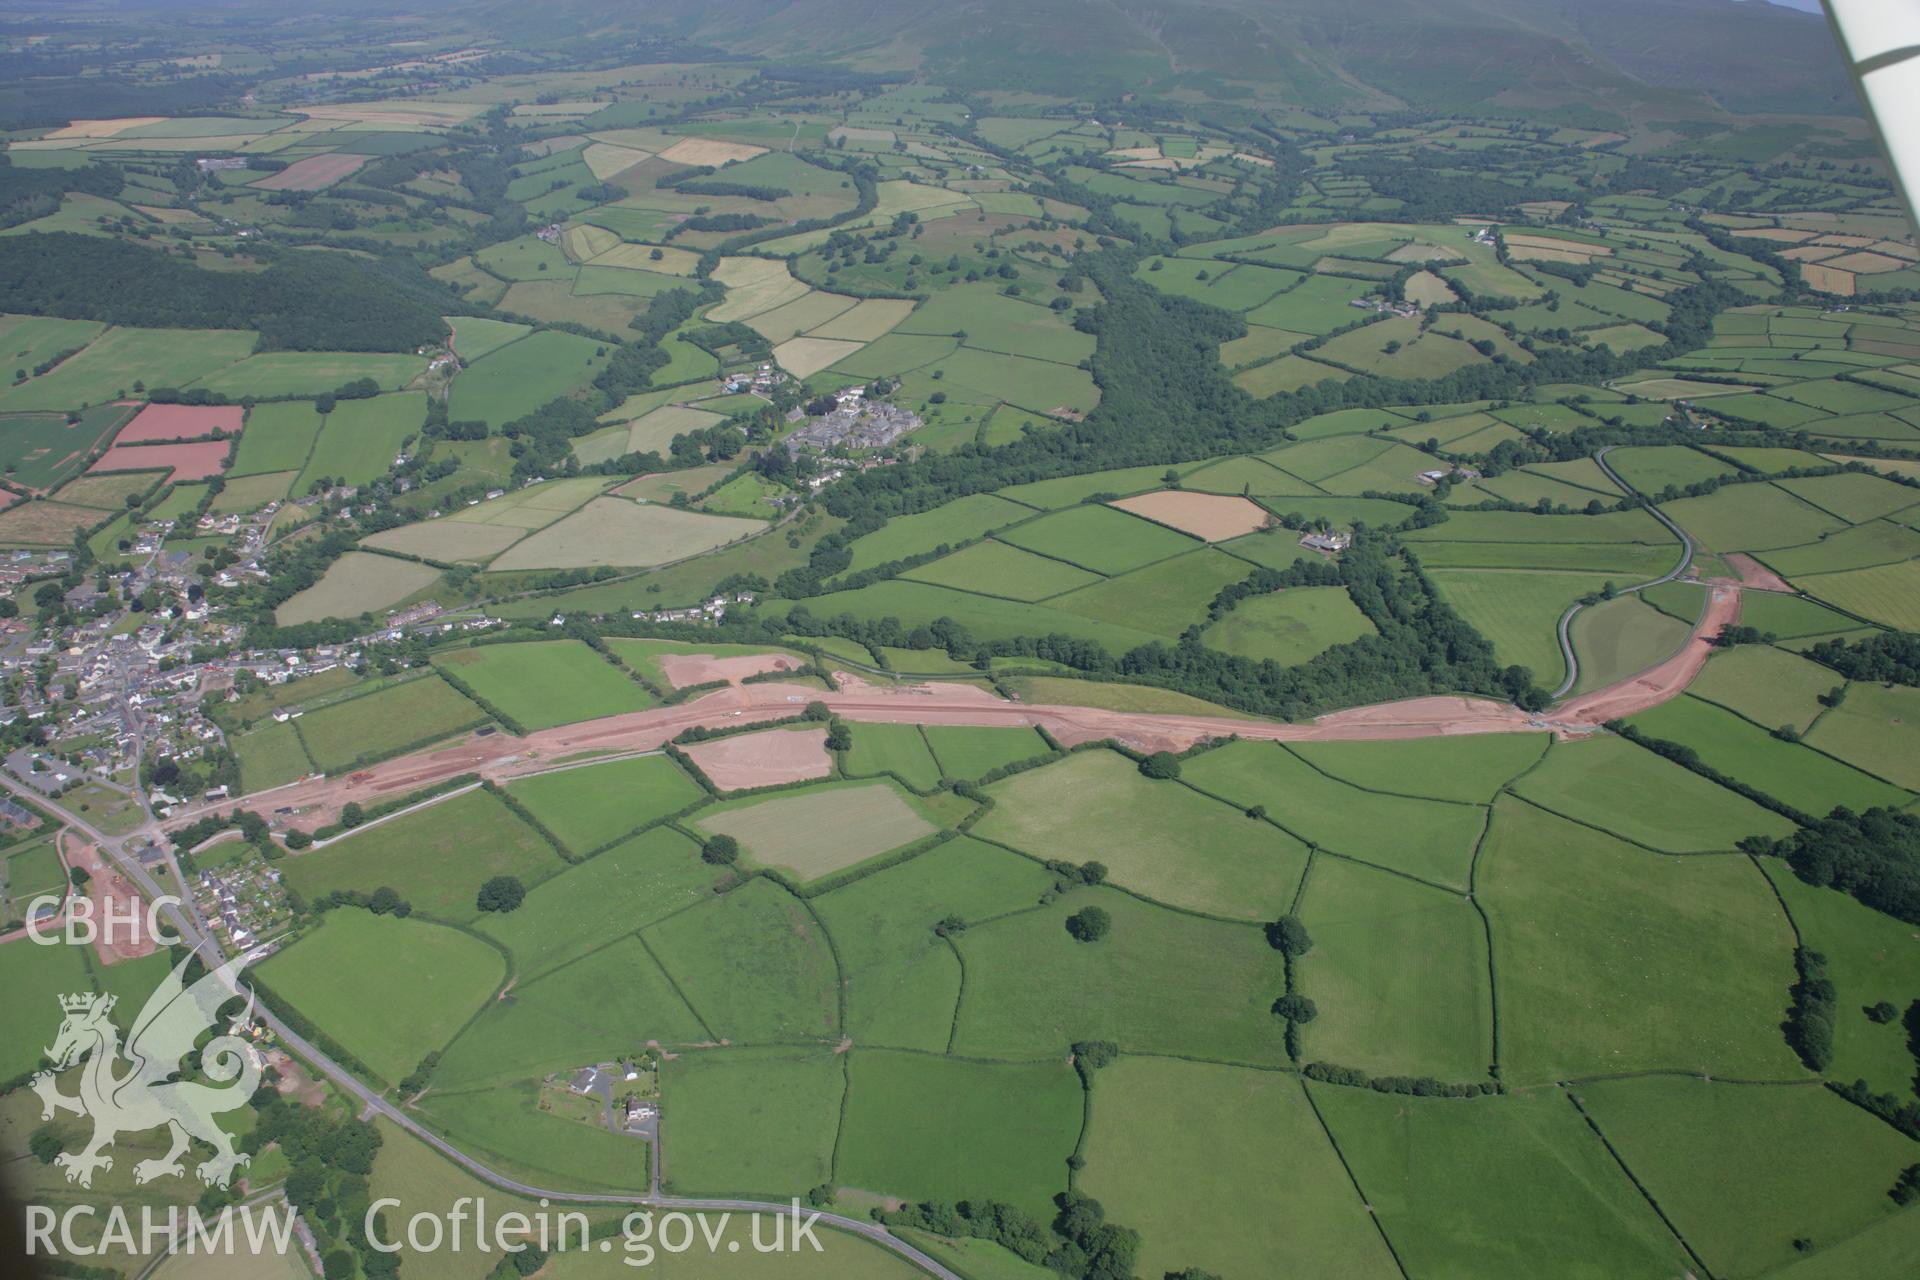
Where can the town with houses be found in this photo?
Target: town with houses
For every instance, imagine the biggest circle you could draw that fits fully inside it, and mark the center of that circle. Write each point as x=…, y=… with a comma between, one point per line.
x=119, y=695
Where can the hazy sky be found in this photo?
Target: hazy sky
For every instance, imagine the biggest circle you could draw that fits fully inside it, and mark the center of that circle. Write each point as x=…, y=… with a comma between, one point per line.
x=1808, y=6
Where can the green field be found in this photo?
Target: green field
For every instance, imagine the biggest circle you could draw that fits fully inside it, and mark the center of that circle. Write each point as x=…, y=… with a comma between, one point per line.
x=916, y=603
x=372, y=726
x=543, y=683
x=1421, y=838
x=436, y=858
x=816, y=832
x=1470, y=769
x=1853, y=497
x=1160, y=982
x=1446, y=1176
x=310, y=373
x=1888, y=594
x=1751, y=517
x=1158, y=839
x=1790, y=772
x=1099, y=538
x=752, y=964
x=898, y=749
x=1790, y=617
x=431, y=979
x=636, y=882
x=474, y=337
x=1684, y=1139
x=752, y=1121
x=112, y=363
x=1768, y=686
x=1651, y=469
x=903, y=981
x=611, y=1000
x=590, y=806
x=42, y=449
x=520, y=377
x=1619, y=638
x=929, y=1128
x=1612, y=959
x=1672, y=808
x=357, y=583
x=903, y=536
x=1289, y=627
x=361, y=439
x=506, y=1127
x=33, y=979
x=1870, y=957
x=618, y=532
x=1166, y=597
x=270, y=756
x=968, y=753
x=1520, y=526
x=1518, y=610
x=278, y=437
x=1200, y=1182
x=1877, y=542
x=995, y=569
x=1874, y=730
x=1377, y=1012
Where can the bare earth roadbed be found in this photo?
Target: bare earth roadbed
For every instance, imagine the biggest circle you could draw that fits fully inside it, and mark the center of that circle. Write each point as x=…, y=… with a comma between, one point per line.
x=744, y=762
x=685, y=669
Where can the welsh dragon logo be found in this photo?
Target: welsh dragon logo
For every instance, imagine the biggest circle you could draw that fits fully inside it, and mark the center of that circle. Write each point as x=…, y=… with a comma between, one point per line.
x=150, y=1091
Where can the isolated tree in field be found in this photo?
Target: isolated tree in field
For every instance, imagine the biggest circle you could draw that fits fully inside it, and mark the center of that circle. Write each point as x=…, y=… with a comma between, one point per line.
x=1295, y=1008
x=1289, y=937
x=1161, y=764
x=1089, y=924
x=351, y=814
x=1192, y=1273
x=721, y=851
x=839, y=737
x=502, y=893
x=950, y=926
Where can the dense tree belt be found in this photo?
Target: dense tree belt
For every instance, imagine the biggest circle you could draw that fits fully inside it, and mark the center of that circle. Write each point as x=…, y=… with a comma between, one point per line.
x=302, y=301
x=26, y=194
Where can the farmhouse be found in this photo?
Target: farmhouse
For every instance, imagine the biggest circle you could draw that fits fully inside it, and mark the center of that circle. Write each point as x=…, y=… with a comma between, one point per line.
x=1327, y=541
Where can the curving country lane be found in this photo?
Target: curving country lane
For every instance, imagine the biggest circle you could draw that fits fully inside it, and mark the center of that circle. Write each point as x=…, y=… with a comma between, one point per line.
x=1686, y=558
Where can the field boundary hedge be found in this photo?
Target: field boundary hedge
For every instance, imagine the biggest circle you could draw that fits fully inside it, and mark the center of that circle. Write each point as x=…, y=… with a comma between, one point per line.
x=1634, y=1178
x=460, y=686
x=1688, y=758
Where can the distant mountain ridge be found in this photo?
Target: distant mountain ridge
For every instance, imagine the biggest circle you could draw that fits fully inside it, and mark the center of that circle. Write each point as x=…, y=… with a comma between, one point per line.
x=1634, y=59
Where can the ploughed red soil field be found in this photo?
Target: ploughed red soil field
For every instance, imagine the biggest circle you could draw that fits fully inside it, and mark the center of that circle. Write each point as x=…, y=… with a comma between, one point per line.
x=188, y=461
x=181, y=422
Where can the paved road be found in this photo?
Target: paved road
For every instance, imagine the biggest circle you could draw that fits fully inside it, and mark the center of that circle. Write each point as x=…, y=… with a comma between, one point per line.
x=374, y=1103
x=1566, y=619
x=185, y=920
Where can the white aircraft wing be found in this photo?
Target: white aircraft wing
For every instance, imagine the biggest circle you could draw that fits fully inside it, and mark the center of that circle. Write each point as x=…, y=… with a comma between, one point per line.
x=1881, y=39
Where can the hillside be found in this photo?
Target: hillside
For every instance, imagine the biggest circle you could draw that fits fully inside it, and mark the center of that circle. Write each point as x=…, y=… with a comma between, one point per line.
x=1609, y=56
